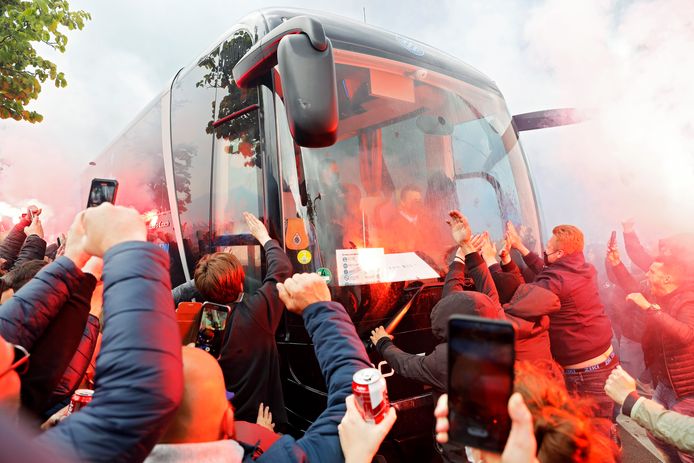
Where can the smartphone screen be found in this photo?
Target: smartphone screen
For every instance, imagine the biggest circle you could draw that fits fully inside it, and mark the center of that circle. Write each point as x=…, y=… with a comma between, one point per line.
x=213, y=322
x=613, y=239
x=102, y=191
x=480, y=381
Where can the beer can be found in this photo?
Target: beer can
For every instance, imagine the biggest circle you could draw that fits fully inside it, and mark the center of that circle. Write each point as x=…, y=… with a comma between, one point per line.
x=79, y=399
x=370, y=394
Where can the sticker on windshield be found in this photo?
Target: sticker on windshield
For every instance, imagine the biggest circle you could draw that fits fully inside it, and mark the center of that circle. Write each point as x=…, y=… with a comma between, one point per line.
x=304, y=257
x=325, y=274
x=410, y=46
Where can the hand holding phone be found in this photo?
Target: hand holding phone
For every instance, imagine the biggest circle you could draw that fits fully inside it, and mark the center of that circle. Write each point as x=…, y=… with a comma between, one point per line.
x=102, y=191
x=212, y=327
x=480, y=381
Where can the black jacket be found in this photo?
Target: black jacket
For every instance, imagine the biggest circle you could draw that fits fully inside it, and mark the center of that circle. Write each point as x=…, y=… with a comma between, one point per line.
x=12, y=244
x=54, y=350
x=668, y=340
x=249, y=357
x=432, y=369
x=78, y=366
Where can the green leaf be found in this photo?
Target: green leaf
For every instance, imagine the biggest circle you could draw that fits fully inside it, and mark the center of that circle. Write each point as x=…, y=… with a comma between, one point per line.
x=22, y=69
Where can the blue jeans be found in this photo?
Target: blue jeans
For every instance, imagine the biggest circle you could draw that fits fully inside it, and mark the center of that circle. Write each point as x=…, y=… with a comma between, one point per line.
x=590, y=382
x=631, y=357
x=665, y=396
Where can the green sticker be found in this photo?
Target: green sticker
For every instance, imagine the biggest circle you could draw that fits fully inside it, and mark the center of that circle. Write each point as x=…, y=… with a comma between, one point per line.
x=325, y=274
x=304, y=257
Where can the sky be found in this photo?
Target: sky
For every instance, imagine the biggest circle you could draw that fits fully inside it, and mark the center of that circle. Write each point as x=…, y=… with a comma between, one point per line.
x=627, y=64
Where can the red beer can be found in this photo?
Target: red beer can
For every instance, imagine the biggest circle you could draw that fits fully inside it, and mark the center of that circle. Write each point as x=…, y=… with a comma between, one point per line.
x=79, y=399
x=370, y=394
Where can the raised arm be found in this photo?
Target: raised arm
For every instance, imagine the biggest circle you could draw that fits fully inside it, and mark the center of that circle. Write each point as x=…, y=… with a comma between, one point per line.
x=460, y=229
x=11, y=245
x=34, y=246
x=618, y=273
x=635, y=250
x=265, y=301
x=340, y=354
x=478, y=270
x=139, y=380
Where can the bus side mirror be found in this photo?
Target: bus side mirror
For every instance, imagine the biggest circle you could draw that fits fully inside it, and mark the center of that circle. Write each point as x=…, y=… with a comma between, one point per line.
x=310, y=93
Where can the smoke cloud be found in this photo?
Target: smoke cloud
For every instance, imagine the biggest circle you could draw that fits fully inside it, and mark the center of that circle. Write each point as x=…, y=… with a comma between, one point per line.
x=628, y=64
x=629, y=67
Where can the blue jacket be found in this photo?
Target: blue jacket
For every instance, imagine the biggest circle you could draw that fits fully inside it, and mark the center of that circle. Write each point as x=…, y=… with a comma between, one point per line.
x=340, y=354
x=139, y=375
x=26, y=315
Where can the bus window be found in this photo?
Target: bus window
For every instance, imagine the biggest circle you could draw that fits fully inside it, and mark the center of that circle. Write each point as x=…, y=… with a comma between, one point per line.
x=192, y=114
x=136, y=161
x=406, y=155
x=236, y=167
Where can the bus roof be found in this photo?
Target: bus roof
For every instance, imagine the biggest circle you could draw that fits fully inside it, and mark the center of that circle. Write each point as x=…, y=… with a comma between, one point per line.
x=357, y=36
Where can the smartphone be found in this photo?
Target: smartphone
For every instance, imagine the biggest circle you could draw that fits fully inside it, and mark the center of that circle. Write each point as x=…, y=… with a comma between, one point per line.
x=212, y=327
x=480, y=381
x=613, y=240
x=102, y=191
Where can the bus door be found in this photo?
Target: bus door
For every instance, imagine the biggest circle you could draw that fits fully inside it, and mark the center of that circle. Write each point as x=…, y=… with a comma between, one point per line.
x=237, y=180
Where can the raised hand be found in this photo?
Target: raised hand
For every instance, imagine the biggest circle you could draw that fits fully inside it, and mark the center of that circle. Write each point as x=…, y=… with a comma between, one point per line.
x=505, y=253
x=107, y=225
x=35, y=227
x=488, y=249
x=460, y=228
x=628, y=225
x=265, y=418
x=257, y=228
x=302, y=290
x=613, y=255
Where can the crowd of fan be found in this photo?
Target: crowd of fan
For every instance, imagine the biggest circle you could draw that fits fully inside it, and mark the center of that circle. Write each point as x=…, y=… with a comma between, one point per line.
x=98, y=312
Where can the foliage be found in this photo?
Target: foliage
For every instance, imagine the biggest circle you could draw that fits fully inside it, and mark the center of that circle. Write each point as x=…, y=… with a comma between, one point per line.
x=24, y=23
x=241, y=135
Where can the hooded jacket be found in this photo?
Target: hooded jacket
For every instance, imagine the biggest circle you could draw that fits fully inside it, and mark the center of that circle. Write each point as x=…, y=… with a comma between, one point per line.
x=580, y=330
x=432, y=369
x=529, y=311
x=528, y=308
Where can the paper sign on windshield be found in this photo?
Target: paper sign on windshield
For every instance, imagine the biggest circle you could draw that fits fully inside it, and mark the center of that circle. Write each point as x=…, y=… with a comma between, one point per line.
x=371, y=265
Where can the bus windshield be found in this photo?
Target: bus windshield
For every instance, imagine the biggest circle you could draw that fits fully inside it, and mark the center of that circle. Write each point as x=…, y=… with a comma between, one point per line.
x=412, y=145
